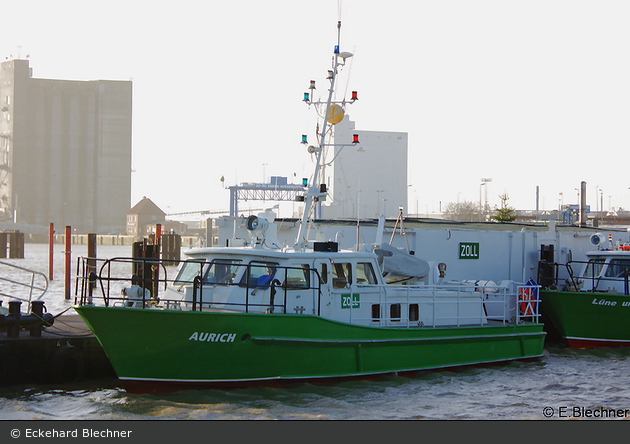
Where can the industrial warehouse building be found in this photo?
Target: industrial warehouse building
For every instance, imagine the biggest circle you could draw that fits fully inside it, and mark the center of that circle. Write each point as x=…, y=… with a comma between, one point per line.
x=65, y=150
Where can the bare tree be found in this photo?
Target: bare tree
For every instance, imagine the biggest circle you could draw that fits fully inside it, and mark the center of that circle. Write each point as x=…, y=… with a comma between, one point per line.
x=462, y=211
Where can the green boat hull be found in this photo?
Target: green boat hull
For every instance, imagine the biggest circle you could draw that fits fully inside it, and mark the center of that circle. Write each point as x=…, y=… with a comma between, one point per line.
x=586, y=319
x=158, y=350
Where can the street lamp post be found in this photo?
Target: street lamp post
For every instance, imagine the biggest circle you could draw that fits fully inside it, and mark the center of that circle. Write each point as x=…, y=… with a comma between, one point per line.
x=484, y=181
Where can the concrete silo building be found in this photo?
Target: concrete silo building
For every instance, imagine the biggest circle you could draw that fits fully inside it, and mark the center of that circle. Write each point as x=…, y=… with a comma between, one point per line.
x=65, y=150
x=368, y=179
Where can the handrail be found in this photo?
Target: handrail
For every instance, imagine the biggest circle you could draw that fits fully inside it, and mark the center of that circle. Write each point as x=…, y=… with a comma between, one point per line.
x=594, y=279
x=84, y=295
x=31, y=286
x=459, y=291
x=471, y=304
x=84, y=268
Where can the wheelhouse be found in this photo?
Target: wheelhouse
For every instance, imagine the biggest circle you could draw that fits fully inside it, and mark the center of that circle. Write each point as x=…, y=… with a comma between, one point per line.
x=606, y=271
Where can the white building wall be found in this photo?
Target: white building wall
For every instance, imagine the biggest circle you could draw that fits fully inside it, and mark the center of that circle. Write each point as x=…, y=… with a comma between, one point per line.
x=367, y=179
x=510, y=252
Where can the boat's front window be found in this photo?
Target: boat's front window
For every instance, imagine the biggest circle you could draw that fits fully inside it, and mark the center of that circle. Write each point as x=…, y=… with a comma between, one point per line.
x=259, y=273
x=594, y=268
x=188, y=272
x=298, y=277
x=618, y=268
x=222, y=271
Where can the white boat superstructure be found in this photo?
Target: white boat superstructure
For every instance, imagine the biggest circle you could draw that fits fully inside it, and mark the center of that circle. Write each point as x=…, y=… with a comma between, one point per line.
x=345, y=286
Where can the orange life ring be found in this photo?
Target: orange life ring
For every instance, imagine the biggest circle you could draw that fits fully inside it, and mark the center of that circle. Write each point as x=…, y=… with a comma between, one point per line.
x=526, y=297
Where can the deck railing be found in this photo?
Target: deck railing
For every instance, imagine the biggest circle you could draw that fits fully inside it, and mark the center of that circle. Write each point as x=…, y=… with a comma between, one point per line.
x=100, y=282
x=555, y=276
x=494, y=304
x=19, y=279
x=99, y=279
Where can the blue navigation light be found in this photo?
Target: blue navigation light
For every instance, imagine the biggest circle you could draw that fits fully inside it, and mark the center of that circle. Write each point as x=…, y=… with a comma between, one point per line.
x=336, y=49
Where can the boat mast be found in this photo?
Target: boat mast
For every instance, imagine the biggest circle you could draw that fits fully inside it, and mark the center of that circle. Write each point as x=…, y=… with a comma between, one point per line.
x=313, y=191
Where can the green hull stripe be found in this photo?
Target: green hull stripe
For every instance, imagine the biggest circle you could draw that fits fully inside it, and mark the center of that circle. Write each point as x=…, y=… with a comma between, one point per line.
x=373, y=341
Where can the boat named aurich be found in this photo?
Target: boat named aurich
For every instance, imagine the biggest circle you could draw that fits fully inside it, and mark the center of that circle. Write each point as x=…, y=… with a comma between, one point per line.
x=212, y=337
x=258, y=312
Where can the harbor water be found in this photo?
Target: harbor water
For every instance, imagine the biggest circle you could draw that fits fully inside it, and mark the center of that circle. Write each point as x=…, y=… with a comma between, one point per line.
x=563, y=384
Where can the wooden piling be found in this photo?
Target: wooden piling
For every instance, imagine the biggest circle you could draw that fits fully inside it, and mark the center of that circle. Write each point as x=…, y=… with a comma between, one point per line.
x=68, y=257
x=51, y=241
x=158, y=236
x=171, y=245
x=147, y=271
x=91, y=253
x=3, y=245
x=16, y=245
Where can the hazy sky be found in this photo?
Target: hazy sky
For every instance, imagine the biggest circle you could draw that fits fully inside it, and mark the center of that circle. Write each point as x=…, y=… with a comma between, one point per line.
x=528, y=93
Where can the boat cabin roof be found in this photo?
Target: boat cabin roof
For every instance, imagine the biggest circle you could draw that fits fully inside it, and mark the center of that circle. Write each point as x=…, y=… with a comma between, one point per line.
x=608, y=254
x=280, y=255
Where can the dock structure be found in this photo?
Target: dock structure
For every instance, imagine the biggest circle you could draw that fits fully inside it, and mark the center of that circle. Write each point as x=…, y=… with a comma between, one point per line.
x=37, y=347
x=66, y=352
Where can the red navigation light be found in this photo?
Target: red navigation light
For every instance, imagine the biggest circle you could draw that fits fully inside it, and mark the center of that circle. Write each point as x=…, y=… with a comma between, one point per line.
x=355, y=138
x=354, y=95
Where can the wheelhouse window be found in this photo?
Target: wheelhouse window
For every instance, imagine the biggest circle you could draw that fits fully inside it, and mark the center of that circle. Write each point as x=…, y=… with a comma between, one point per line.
x=594, y=268
x=298, y=277
x=188, y=272
x=618, y=268
x=341, y=275
x=222, y=271
x=259, y=274
x=365, y=273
